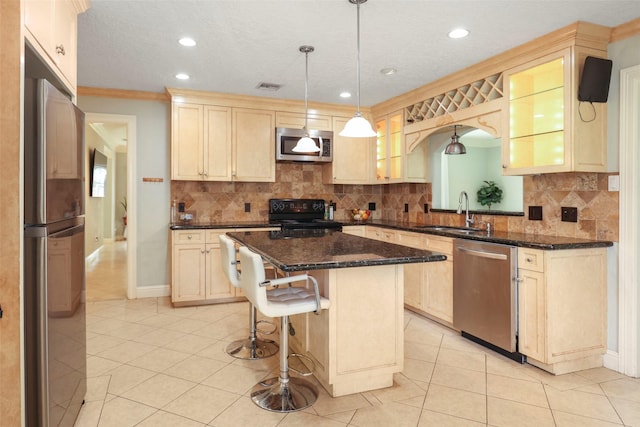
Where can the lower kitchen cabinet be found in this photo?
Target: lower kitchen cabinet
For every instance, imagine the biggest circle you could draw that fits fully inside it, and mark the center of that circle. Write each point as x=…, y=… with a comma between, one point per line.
x=197, y=276
x=355, y=230
x=428, y=287
x=562, y=308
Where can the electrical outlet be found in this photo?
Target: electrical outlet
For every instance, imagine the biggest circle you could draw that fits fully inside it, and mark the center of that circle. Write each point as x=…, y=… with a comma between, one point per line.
x=426, y=208
x=535, y=213
x=569, y=214
x=247, y=207
x=181, y=207
x=406, y=207
x=372, y=206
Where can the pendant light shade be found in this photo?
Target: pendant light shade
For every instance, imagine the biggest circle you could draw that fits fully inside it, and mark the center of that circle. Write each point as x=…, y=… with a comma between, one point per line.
x=358, y=126
x=306, y=144
x=455, y=146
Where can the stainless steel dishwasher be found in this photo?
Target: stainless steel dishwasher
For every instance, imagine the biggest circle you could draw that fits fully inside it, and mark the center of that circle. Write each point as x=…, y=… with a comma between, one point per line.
x=485, y=294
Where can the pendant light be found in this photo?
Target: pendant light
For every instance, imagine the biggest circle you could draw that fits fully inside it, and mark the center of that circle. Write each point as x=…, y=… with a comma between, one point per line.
x=306, y=144
x=358, y=126
x=455, y=146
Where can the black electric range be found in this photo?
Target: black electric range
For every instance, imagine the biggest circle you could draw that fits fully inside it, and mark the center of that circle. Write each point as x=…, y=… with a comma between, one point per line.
x=300, y=214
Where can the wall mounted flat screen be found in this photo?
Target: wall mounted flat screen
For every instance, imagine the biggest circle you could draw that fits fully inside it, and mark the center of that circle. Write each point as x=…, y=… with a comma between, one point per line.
x=98, y=174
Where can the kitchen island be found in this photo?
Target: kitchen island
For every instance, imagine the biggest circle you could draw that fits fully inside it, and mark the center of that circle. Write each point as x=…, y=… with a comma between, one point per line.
x=358, y=343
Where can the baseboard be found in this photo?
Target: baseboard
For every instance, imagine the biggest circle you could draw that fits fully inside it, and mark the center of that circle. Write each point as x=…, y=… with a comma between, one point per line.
x=611, y=360
x=153, y=291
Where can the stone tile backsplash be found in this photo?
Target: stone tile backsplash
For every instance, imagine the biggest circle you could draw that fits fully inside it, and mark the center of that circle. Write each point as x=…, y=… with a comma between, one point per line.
x=225, y=201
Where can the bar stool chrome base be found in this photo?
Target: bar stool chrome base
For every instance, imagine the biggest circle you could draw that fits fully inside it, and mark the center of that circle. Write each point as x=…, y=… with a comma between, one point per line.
x=252, y=350
x=277, y=396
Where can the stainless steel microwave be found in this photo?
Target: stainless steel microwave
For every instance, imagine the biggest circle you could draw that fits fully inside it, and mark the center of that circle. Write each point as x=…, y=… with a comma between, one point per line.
x=287, y=138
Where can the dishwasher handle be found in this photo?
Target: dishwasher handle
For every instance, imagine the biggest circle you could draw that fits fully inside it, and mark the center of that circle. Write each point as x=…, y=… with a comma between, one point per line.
x=483, y=254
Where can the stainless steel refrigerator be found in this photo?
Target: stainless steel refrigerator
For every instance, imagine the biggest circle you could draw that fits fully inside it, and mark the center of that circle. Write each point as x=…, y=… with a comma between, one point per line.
x=54, y=274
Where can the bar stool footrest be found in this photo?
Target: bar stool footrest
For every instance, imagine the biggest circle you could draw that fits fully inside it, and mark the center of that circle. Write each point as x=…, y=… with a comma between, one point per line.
x=247, y=350
x=299, y=372
x=266, y=331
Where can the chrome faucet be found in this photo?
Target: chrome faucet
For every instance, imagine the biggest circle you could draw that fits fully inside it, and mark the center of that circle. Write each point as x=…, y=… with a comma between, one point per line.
x=468, y=220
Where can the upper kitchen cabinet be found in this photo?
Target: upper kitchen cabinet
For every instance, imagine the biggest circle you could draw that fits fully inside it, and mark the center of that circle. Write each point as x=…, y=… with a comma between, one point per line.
x=389, y=148
x=393, y=164
x=297, y=121
x=253, y=145
x=51, y=29
x=200, y=142
x=220, y=143
x=352, y=158
x=548, y=129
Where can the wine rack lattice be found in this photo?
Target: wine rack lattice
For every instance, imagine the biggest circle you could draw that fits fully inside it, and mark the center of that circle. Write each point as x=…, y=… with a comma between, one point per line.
x=469, y=95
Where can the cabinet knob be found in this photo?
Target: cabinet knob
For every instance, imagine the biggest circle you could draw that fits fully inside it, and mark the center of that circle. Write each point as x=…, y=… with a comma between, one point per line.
x=504, y=166
x=202, y=251
x=60, y=49
x=189, y=236
x=528, y=259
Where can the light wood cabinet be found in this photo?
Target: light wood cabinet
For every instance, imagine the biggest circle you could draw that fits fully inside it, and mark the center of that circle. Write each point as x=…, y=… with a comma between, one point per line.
x=197, y=276
x=355, y=230
x=200, y=142
x=562, y=308
x=254, y=154
x=217, y=143
x=380, y=233
x=429, y=286
x=51, y=29
x=548, y=129
x=389, y=148
x=297, y=120
x=352, y=158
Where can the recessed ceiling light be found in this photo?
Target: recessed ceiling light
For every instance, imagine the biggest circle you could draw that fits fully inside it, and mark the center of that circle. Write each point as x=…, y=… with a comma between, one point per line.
x=182, y=76
x=187, y=41
x=388, y=71
x=345, y=95
x=458, y=33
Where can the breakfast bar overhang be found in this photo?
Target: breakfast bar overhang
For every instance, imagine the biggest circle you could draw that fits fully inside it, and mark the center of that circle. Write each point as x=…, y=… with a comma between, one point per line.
x=357, y=344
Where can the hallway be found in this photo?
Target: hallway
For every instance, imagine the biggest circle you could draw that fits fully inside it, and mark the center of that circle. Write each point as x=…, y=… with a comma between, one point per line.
x=106, y=272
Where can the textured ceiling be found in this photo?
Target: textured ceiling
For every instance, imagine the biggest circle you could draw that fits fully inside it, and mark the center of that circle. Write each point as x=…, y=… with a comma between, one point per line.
x=126, y=44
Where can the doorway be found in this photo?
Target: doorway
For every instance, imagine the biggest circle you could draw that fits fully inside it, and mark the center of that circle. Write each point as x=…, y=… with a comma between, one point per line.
x=110, y=221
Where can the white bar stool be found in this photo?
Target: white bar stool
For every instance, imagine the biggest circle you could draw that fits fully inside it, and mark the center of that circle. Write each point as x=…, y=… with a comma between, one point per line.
x=283, y=393
x=251, y=348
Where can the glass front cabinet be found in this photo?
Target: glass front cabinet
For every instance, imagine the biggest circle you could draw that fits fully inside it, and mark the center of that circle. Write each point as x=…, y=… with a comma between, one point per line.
x=549, y=130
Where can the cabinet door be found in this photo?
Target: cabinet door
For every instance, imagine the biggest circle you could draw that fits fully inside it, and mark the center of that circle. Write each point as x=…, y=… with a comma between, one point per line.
x=187, y=142
x=413, y=285
x=438, y=293
x=65, y=39
x=531, y=314
x=38, y=18
x=355, y=230
x=189, y=272
x=218, y=286
x=538, y=95
x=297, y=120
x=254, y=145
x=352, y=158
x=217, y=143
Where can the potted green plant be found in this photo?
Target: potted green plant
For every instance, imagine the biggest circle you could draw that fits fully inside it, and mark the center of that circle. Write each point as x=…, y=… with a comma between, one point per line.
x=489, y=193
x=124, y=206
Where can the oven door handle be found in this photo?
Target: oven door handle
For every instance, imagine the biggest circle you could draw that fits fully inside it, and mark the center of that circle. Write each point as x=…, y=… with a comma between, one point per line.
x=483, y=254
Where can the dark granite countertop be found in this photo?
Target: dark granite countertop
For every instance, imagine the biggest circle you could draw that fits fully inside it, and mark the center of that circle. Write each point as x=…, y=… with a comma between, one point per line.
x=526, y=240
x=331, y=249
x=195, y=225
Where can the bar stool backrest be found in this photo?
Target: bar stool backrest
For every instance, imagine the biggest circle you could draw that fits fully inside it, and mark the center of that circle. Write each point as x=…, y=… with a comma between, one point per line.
x=252, y=276
x=228, y=256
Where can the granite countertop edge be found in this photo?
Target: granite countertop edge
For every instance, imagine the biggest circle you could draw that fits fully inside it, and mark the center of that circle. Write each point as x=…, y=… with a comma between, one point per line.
x=525, y=240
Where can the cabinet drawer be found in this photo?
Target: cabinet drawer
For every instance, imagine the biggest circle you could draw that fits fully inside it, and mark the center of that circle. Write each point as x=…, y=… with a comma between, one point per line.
x=439, y=244
x=413, y=240
x=213, y=236
x=531, y=259
x=188, y=236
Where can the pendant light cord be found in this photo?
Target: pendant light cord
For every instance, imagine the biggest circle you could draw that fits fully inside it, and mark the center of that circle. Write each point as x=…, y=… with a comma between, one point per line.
x=358, y=55
x=306, y=91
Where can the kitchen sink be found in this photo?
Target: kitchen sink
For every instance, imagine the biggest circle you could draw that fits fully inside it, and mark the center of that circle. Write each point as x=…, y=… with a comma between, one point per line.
x=461, y=230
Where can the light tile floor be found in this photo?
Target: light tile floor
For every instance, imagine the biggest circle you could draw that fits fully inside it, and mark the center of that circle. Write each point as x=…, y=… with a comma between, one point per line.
x=106, y=272
x=150, y=364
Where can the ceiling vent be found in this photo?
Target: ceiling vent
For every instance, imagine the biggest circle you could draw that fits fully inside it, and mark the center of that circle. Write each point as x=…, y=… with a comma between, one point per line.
x=268, y=86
